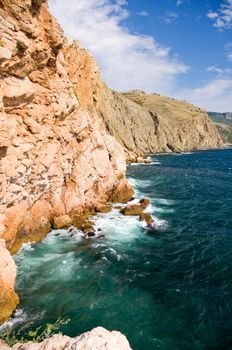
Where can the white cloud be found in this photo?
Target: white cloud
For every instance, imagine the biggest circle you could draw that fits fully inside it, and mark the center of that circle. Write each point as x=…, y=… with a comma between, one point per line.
x=229, y=56
x=169, y=17
x=219, y=71
x=228, y=48
x=127, y=60
x=143, y=13
x=133, y=61
x=223, y=17
x=213, y=96
x=179, y=2
x=212, y=15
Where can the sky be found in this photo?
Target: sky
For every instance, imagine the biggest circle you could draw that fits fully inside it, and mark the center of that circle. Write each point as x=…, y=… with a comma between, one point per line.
x=177, y=48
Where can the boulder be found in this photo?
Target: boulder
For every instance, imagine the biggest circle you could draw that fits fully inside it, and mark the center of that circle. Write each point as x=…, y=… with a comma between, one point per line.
x=62, y=221
x=132, y=210
x=144, y=203
x=16, y=91
x=146, y=217
x=121, y=193
x=103, y=208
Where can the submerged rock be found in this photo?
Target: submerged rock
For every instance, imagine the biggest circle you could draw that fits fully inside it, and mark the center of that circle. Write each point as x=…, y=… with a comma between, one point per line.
x=98, y=339
x=147, y=217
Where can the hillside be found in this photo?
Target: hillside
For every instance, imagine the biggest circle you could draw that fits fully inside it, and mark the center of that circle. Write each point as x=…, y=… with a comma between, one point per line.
x=142, y=123
x=223, y=121
x=149, y=123
x=225, y=118
x=225, y=131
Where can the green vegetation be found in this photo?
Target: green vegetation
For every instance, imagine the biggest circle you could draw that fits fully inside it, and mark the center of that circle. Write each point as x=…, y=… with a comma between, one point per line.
x=2, y=43
x=223, y=122
x=27, y=333
x=225, y=118
x=225, y=131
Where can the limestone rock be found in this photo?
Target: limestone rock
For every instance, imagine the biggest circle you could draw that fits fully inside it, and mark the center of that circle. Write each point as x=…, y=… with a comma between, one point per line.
x=8, y=298
x=62, y=221
x=98, y=339
x=56, y=156
x=103, y=208
x=146, y=217
x=144, y=202
x=16, y=91
x=5, y=54
x=132, y=209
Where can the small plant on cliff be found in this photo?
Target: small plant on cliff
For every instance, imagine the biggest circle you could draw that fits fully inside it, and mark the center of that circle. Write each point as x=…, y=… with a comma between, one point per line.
x=2, y=44
x=24, y=334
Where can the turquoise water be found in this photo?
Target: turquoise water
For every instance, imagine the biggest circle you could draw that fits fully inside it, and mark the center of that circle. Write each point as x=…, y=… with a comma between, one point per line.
x=170, y=288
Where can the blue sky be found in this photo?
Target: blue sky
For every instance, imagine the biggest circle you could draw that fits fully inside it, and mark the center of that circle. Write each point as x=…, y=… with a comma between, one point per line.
x=179, y=48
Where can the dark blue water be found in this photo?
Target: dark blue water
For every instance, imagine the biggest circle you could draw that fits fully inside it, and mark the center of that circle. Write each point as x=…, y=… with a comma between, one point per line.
x=166, y=289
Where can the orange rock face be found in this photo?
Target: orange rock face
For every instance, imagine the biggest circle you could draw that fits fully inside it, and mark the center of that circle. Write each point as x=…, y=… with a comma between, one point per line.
x=8, y=298
x=56, y=158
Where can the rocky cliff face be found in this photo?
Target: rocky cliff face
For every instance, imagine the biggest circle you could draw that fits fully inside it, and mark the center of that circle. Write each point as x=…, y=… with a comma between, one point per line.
x=143, y=123
x=56, y=157
x=57, y=161
x=8, y=298
x=98, y=338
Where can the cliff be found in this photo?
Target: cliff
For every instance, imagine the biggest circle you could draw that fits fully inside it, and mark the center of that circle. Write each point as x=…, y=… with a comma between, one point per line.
x=143, y=123
x=57, y=162
x=56, y=156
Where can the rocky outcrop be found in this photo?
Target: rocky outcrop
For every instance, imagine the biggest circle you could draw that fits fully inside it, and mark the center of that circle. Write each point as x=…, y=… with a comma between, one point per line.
x=57, y=160
x=8, y=298
x=138, y=210
x=98, y=339
x=142, y=123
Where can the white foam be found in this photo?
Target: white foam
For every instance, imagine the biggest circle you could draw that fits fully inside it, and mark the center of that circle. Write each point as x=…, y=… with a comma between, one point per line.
x=27, y=247
x=118, y=227
x=160, y=224
x=19, y=317
x=164, y=201
x=162, y=210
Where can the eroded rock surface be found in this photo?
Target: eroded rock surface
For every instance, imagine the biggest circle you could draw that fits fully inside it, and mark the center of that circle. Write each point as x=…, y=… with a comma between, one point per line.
x=98, y=339
x=57, y=160
x=8, y=298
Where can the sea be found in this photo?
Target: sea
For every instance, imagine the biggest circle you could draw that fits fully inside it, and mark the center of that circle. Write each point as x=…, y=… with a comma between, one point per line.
x=167, y=287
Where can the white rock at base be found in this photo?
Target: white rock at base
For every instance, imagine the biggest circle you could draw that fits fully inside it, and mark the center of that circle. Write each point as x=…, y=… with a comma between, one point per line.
x=97, y=339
